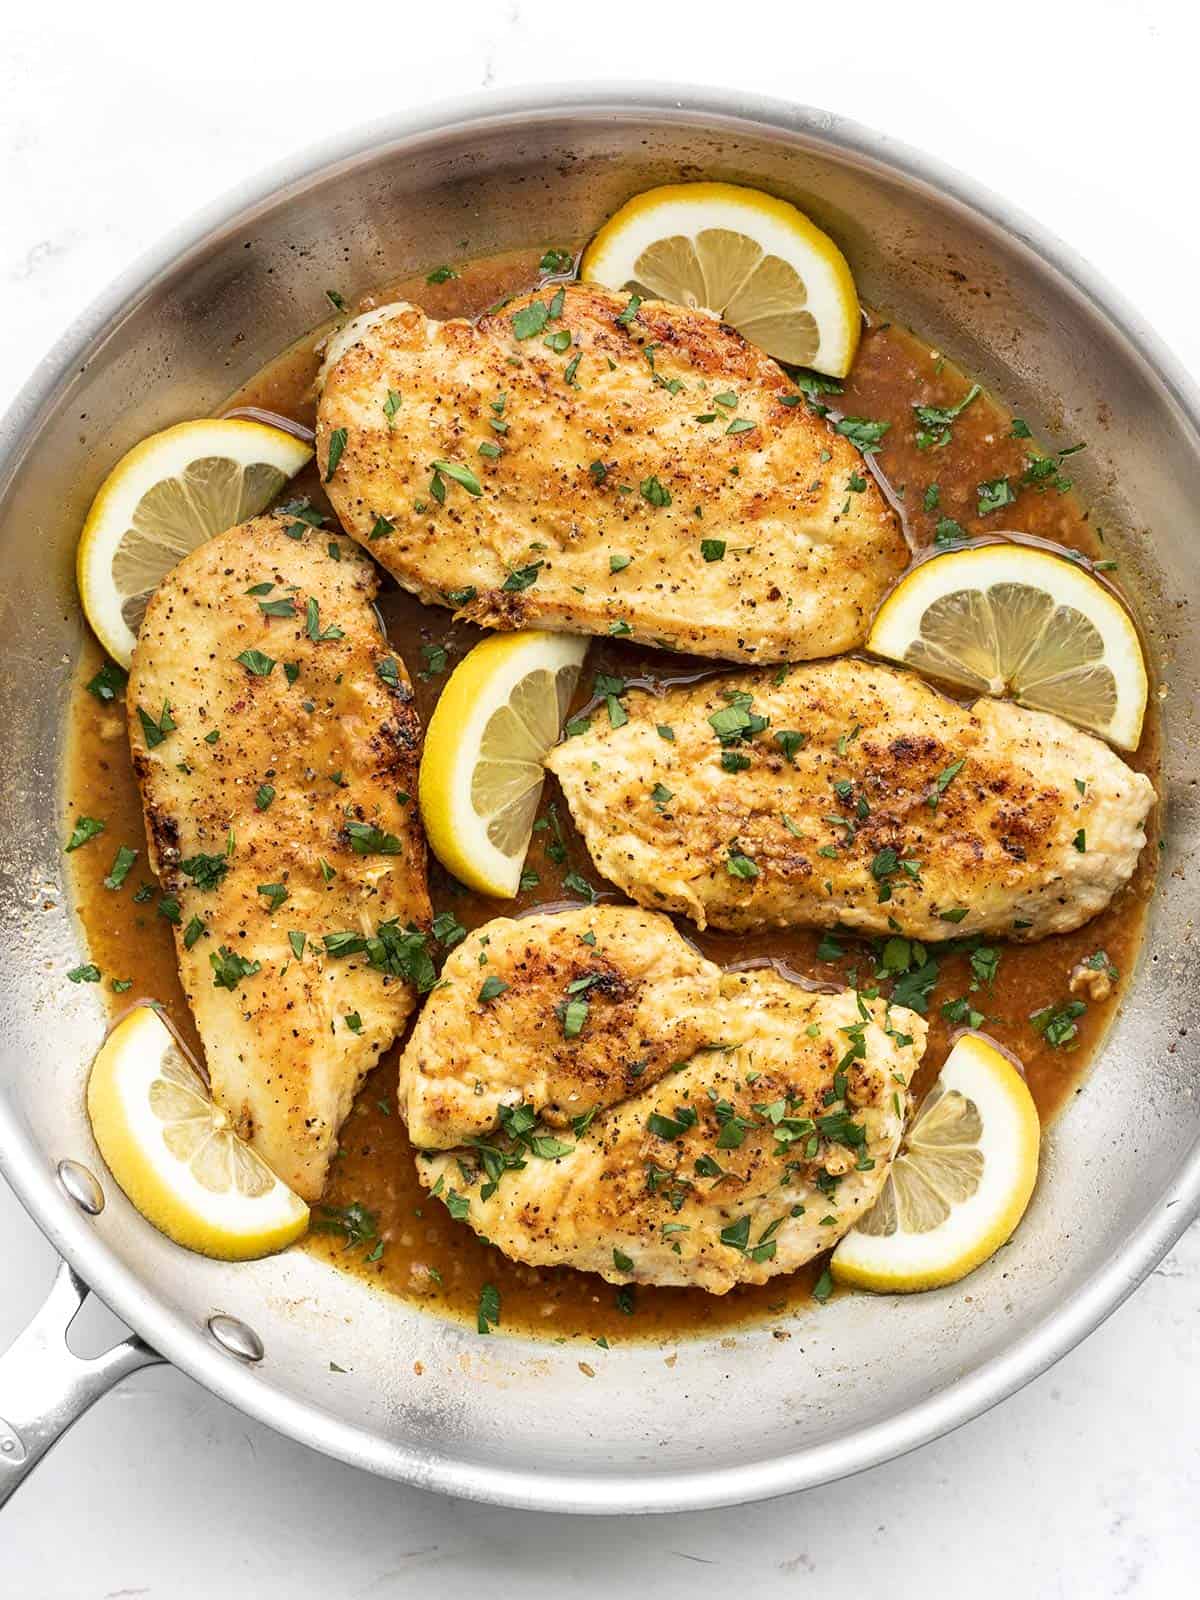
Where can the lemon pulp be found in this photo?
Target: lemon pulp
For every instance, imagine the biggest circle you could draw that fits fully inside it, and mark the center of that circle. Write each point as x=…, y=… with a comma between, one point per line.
x=164, y=497
x=1012, y=619
x=755, y=260
x=174, y=1153
x=960, y=1184
x=500, y=714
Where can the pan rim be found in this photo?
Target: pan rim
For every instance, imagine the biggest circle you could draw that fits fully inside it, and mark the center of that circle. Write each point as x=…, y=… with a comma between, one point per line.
x=186, y=1345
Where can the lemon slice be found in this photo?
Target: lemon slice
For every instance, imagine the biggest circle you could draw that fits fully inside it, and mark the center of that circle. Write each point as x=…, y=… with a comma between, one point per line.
x=960, y=1184
x=174, y=1154
x=1010, y=619
x=166, y=496
x=499, y=715
x=756, y=261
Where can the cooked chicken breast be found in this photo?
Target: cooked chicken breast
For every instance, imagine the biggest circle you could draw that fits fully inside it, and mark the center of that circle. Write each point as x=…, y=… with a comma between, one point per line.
x=757, y=1150
x=271, y=730
x=607, y=467
x=852, y=793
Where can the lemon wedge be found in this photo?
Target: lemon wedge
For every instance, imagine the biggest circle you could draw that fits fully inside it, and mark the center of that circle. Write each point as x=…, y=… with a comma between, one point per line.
x=499, y=715
x=960, y=1184
x=174, y=1154
x=1012, y=619
x=166, y=496
x=756, y=261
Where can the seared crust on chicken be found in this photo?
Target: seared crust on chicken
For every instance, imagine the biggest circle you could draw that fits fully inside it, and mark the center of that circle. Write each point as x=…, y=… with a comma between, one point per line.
x=647, y=998
x=755, y=1152
x=271, y=729
x=860, y=796
x=600, y=449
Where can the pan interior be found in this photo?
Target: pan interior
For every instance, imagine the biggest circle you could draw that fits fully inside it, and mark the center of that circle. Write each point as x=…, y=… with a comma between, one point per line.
x=371, y=1378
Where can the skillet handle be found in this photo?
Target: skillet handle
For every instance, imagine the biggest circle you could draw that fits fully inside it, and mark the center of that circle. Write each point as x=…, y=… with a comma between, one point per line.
x=44, y=1388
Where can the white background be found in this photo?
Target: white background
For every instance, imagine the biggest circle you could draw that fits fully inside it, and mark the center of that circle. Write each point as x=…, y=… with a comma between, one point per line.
x=116, y=122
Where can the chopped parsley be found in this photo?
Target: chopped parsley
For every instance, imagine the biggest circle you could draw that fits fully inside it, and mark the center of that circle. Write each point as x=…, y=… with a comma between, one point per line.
x=864, y=433
x=522, y=578
x=368, y=840
x=530, y=320
x=256, y=664
x=274, y=893
x=463, y=476
x=943, y=781
x=671, y=1128
x=948, y=532
x=337, y=444
x=108, y=683
x=574, y=883
x=205, y=871
x=488, y=1315
x=119, y=871
x=156, y=732
x=1059, y=1025
x=937, y=422
x=436, y=658
x=230, y=969
x=994, y=494
x=398, y=952
x=85, y=828
x=572, y=1014
x=740, y=865
x=354, y=1223
x=448, y=930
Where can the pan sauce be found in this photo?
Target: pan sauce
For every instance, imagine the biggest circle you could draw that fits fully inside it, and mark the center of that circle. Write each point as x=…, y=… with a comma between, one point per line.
x=425, y=1255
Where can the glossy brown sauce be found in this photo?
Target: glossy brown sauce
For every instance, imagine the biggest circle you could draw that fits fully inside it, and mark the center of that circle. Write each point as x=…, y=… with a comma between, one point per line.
x=426, y=1256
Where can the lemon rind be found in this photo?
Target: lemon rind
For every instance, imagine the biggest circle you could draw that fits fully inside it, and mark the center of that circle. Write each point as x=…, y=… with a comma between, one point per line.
x=897, y=622
x=930, y=1260
x=163, y=455
x=481, y=683
x=159, y=1186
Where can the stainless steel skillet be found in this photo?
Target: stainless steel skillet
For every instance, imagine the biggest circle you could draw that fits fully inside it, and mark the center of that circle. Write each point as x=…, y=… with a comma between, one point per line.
x=422, y=1400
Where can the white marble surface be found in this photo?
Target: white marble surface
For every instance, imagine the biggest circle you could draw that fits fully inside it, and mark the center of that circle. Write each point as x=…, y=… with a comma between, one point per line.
x=118, y=121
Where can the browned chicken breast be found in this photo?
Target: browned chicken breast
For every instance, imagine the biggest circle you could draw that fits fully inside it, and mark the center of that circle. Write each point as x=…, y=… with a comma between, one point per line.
x=852, y=793
x=272, y=730
x=580, y=461
x=752, y=1151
